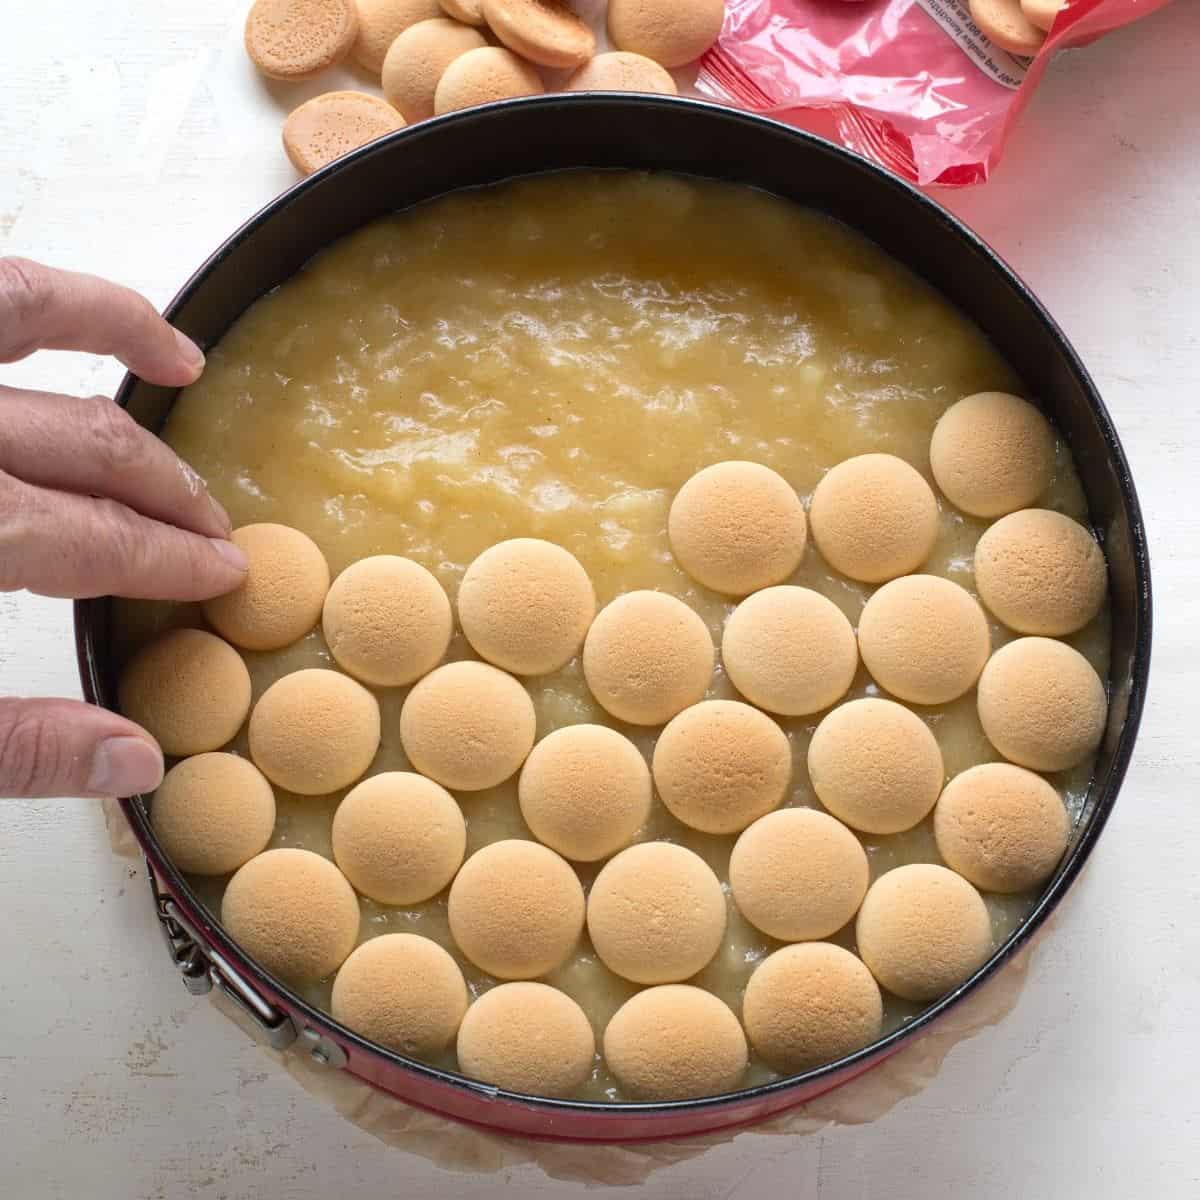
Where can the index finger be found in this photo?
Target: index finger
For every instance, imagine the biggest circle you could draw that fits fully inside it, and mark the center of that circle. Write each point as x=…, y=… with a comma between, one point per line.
x=46, y=309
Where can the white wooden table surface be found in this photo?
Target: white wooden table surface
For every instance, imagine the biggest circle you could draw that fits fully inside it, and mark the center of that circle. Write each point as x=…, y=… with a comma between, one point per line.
x=133, y=137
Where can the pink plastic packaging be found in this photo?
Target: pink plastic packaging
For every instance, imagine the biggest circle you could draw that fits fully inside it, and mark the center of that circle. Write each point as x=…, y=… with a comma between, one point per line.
x=910, y=84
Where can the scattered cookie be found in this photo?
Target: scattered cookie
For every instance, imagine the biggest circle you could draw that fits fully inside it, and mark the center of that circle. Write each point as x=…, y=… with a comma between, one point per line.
x=875, y=765
x=922, y=930
x=469, y=12
x=188, y=689
x=547, y=32
x=482, y=76
x=656, y=913
x=621, y=71
x=874, y=517
x=585, y=791
x=1041, y=704
x=721, y=764
x=293, y=911
x=1005, y=24
x=525, y=605
x=675, y=1042
x=924, y=639
x=798, y=874
x=529, y=1038
x=811, y=1004
x=327, y=126
x=380, y=22
x=672, y=32
x=387, y=621
x=789, y=650
x=1040, y=572
x=418, y=58
x=399, y=837
x=737, y=527
x=1002, y=827
x=516, y=909
x=212, y=813
x=404, y=992
x=467, y=725
x=314, y=731
x=992, y=453
x=284, y=590
x=647, y=657
x=294, y=39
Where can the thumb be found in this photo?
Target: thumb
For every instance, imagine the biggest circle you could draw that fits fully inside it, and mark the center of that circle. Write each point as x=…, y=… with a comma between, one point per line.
x=68, y=748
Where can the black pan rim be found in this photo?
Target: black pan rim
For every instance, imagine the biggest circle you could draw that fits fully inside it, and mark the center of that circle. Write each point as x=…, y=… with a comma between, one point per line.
x=86, y=611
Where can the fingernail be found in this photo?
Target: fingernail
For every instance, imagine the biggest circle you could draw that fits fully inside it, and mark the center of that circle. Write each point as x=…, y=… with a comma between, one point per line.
x=231, y=553
x=219, y=512
x=125, y=766
x=189, y=352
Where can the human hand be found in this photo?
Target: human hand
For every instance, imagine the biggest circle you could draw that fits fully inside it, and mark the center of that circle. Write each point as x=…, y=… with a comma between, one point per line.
x=91, y=504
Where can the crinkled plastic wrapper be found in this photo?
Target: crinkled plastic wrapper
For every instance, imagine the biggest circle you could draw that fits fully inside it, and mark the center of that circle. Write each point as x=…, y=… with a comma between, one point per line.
x=910, y=84
x=468, y=1148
